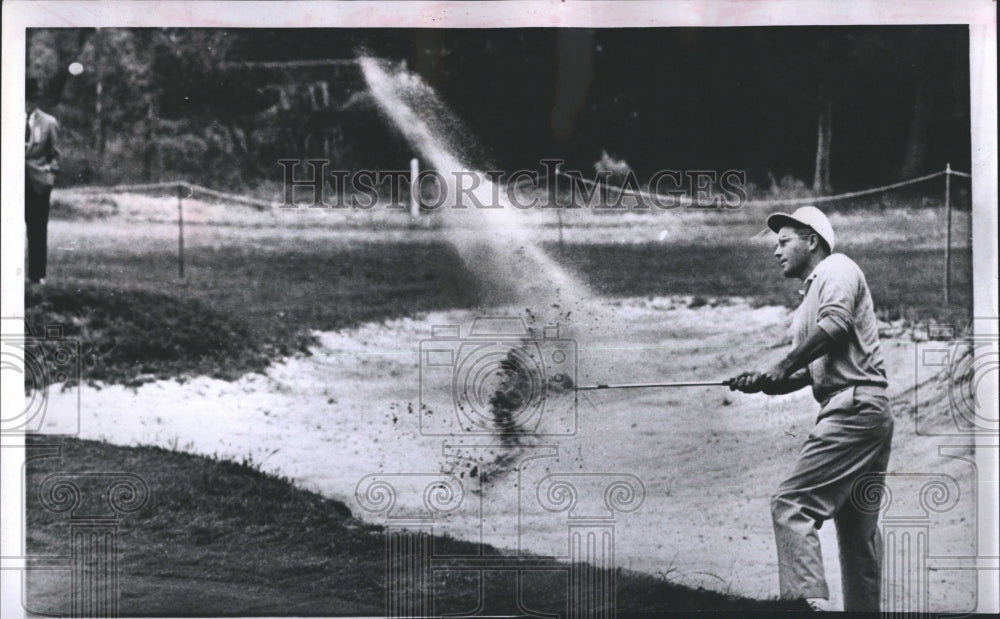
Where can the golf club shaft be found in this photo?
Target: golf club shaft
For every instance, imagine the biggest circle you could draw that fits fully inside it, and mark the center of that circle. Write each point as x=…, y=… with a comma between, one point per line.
x=710, y=383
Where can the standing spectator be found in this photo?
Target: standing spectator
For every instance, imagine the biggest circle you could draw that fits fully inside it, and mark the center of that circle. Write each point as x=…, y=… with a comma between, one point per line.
x=41, y=164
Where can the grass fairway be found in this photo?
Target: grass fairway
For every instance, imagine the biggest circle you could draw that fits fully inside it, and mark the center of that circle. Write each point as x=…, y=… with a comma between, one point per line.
x=220, y=538
x=904, y=282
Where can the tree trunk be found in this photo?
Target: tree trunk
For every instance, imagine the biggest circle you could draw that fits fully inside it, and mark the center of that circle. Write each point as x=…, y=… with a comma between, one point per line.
x=824, y=137
x=827, y=146
x=818, y=167
x=99, y=135
x=916, y=143
x=149, y=159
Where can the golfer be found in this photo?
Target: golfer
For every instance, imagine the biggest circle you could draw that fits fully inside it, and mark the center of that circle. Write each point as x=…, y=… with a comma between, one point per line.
x=836, y=352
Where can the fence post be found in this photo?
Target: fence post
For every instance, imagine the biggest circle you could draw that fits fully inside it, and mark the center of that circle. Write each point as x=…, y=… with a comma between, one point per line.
x=180, y=230
x=553, y=200
x=947, y=246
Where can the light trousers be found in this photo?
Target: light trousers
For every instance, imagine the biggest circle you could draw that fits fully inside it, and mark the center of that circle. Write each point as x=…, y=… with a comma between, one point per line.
x=852, y=437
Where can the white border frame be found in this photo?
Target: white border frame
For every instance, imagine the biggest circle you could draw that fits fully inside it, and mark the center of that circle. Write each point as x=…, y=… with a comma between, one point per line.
x=980, y=15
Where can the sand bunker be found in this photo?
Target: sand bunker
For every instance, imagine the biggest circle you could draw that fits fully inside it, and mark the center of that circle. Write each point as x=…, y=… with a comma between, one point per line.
x=706, y=459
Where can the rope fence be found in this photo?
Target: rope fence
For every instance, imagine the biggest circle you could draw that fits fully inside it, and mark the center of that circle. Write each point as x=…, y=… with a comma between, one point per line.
x=844, y=196
x=190, y=190
x=947, y=173
x=184, y=189
x=685, y=201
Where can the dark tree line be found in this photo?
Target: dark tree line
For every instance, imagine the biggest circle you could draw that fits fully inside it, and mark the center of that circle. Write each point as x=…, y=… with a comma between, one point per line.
x=837, y=108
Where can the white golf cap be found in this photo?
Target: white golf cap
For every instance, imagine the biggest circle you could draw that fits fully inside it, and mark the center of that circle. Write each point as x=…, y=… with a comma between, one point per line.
x=809, y=216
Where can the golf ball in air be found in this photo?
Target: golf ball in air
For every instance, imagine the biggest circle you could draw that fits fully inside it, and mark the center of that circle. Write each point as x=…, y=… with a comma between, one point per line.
x=76, y=68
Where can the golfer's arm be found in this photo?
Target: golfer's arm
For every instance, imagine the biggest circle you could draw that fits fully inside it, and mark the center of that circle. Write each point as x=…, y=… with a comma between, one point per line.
x=812, y=348
x=796, y=381
x=795, y=364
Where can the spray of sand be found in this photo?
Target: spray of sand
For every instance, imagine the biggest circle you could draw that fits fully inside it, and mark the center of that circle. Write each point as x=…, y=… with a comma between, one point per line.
x=493, y=242
x=499, y=250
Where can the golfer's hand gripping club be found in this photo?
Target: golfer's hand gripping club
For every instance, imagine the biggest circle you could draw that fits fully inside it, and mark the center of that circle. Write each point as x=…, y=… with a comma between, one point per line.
x=747, y=382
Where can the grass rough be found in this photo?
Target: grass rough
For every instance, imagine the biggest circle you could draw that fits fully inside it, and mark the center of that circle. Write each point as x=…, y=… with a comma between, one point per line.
x=219, y=538
x=128, y=336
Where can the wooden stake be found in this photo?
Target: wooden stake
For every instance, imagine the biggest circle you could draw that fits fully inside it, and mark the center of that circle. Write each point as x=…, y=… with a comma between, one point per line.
x=414, y=188
x=180, y=231
x=947, y=245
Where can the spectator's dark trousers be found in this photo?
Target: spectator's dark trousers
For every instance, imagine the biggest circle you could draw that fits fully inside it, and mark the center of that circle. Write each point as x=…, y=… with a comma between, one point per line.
x=36, y=219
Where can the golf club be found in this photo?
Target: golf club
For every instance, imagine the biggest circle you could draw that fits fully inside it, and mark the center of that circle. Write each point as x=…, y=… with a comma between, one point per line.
x=712, y=383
